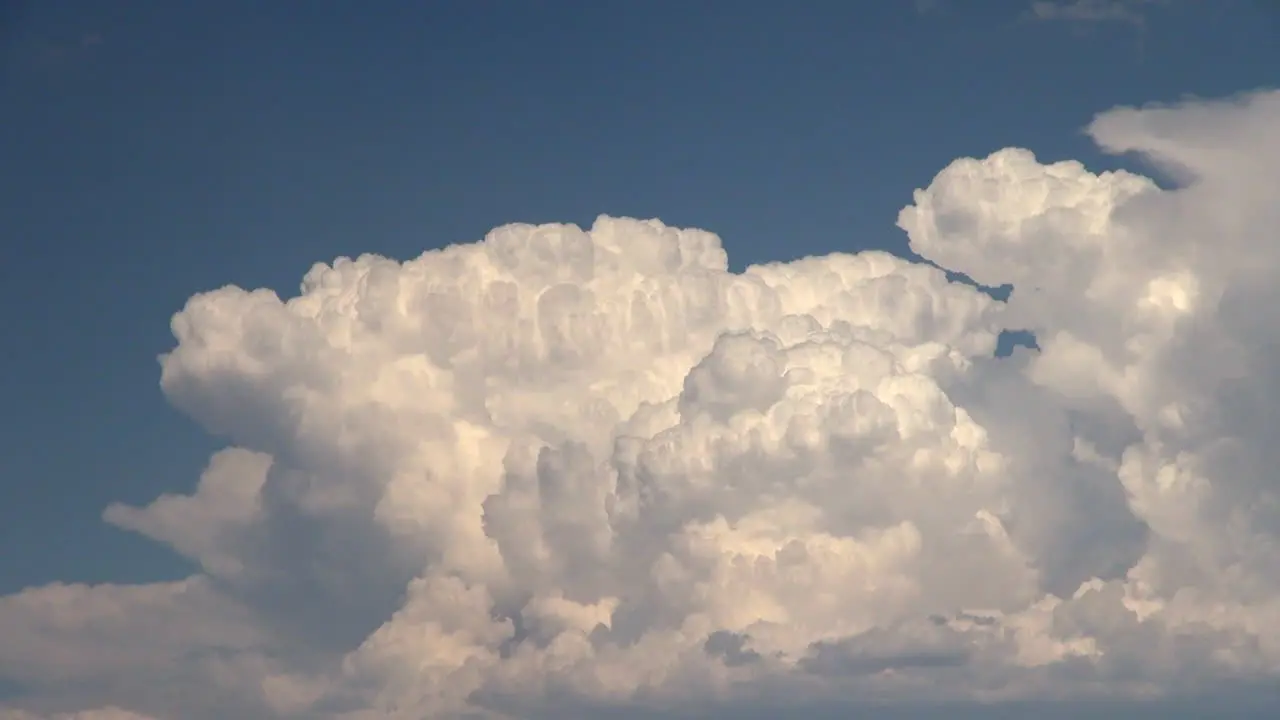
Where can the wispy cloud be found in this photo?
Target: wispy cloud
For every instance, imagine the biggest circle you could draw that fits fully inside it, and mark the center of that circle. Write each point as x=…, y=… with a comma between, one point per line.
x=1094, y=12
x=927, y=7
x=1126, y=11
x=70, y=50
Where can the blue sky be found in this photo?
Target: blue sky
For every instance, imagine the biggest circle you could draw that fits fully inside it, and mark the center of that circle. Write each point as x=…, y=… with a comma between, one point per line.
x=155, y=149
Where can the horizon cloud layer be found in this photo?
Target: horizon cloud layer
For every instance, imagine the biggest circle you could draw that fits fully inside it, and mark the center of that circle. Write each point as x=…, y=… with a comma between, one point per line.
x=559, y=473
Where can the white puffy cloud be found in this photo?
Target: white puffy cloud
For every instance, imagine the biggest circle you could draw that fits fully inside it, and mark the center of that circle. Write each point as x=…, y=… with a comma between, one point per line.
x=560, y=470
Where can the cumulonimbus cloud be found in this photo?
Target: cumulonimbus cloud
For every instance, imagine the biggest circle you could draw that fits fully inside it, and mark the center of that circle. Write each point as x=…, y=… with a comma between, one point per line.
x=563, y=468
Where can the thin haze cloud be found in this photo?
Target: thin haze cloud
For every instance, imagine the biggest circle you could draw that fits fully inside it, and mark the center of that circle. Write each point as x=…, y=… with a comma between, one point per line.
x=567, y=472
x=1091, y=12
x=1129, y=11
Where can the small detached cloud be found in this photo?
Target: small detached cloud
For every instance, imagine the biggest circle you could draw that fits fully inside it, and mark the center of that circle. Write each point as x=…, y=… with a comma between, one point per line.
x=1125, y=11
x=563, y=471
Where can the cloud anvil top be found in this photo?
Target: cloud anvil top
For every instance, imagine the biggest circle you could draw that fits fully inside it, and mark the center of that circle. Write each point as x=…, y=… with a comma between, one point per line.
x=565, y=468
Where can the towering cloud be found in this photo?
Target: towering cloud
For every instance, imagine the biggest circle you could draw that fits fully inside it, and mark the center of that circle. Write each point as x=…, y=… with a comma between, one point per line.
x=558, y=469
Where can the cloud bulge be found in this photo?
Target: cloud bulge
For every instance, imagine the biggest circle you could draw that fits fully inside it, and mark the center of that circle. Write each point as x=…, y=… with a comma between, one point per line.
x=563, y=471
